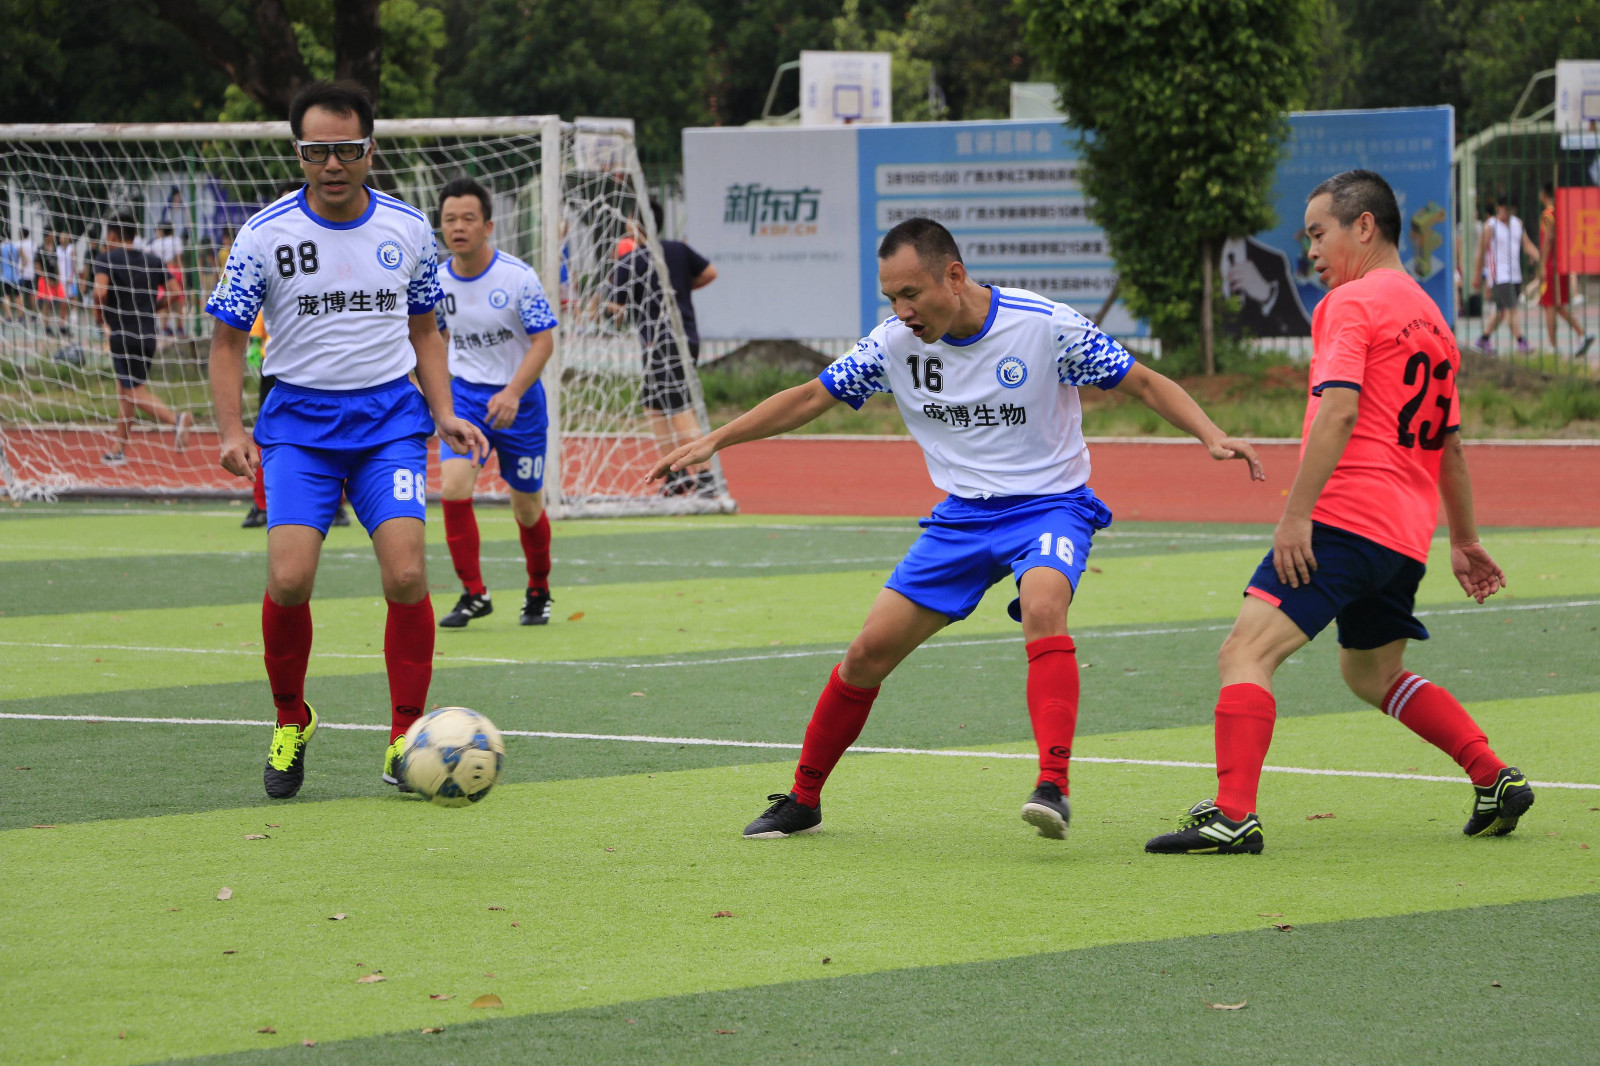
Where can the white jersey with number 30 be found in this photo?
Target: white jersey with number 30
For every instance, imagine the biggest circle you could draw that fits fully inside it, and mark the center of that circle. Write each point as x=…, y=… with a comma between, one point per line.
x=337, y=296
x=490, y=316
x=996, y=413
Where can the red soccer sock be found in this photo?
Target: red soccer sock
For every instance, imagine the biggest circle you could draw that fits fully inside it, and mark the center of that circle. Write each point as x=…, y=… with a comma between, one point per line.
x=841, y=712
x=1053, y=704
x=536, y=550
x=259, y=492
x=408, y=654
x=461, y=535
x=1434, y=715
x=1245, y=714
x=286, y=640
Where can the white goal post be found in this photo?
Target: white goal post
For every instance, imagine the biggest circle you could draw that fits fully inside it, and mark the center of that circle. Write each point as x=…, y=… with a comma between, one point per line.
x=190, y=185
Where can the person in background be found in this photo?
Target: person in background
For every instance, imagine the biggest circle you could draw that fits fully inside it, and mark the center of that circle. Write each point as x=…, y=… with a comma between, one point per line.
x=1555, y=290
x=168, y=247
x=1500, y=265
x=27, y=269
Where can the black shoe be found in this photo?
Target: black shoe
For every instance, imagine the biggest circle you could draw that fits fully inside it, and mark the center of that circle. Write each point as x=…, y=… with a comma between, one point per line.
x=1048, y=811
x=1495, y=809
x=286, y=759
x=674, y=483
x=704, y=486
x=255, y=519
x=536, y=608
x=786, y=817
x=341, y=517
x=1205, y=830
x=469, y=606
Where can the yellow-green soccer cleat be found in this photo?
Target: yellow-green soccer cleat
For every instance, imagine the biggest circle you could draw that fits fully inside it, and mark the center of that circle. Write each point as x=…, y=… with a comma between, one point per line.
x=393, y=758
x=1495, y=809
x=286, y=759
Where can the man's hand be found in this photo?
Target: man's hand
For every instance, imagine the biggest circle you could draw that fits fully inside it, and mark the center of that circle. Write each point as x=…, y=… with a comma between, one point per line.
x=1291, y=551
x=1234, y=448
x=692, y=454
x=503, y=407
x=1480, y=578
x=463, y=437
x=240, y=456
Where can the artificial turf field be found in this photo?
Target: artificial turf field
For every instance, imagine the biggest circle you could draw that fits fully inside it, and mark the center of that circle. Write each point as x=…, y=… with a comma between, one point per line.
x=925, y=923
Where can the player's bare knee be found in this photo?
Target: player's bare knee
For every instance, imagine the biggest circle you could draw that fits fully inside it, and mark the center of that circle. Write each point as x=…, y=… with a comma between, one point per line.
x=866, y=664
x=289, y=585
x=527, y=507
x=405, y=582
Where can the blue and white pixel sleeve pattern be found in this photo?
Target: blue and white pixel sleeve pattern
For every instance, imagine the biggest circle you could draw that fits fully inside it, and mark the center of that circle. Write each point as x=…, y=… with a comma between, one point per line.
x=438, y=317
x=242, y=287
x=860, y=372
x=423, y=292
x=1085, y=355
x=533, y=307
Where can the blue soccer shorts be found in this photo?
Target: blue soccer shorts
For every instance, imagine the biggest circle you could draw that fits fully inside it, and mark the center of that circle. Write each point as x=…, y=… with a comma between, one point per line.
x=968, y=545
x=1369, y=589
x=520, y=445
x=387, y=481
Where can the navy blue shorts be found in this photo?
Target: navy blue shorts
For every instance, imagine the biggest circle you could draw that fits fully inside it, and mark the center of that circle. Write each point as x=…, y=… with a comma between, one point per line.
x=1369, y=589
x=520, y=445
x=968, y=545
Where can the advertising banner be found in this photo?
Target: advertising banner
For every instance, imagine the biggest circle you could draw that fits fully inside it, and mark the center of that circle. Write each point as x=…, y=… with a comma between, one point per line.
x=1270, y=274
x=1578, y=230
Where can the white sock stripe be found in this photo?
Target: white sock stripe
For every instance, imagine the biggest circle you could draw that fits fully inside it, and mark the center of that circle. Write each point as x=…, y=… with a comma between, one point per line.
x=1398, y=701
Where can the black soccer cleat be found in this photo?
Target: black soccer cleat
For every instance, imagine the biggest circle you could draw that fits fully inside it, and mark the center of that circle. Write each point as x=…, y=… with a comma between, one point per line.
x=469, y=606
x=1495, y=809
x=286, y=759
x=1048, y=811
x=786, y=817
x=255, y=519
x=341, y=517
x=536, y=608
x=1205, y=830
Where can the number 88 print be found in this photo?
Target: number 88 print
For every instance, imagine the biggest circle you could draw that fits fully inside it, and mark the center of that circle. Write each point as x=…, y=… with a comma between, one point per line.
x=409, y=486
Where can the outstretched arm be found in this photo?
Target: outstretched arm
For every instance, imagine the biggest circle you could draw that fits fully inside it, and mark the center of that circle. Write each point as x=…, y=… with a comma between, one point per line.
x=778, y=413
x=1480, y=578
x=1169, y=400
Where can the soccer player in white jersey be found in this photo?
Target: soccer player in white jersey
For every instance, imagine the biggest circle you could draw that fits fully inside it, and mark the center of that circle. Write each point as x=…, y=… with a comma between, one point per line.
x=498, y=327
x=347, y=279
x=987, y=380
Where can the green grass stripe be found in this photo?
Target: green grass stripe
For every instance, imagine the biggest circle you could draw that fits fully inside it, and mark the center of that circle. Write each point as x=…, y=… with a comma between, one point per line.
x=932, y=876
x=1506, y=983
x=672, y=617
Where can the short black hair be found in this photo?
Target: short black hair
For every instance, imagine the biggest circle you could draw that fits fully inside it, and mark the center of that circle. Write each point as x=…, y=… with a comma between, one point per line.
x=24, y=232
x=659, y=215
x=123, y=225
x=934, y=245
x=1550, y=189
x=1359, y=192
x=465, y=186
x=339, y=97
x=165, y=227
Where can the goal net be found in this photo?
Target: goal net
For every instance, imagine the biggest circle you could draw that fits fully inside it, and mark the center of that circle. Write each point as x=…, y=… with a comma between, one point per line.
x=569, y=198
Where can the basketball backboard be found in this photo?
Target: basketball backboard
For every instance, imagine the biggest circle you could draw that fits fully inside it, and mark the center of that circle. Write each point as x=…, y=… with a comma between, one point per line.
x=840, y=88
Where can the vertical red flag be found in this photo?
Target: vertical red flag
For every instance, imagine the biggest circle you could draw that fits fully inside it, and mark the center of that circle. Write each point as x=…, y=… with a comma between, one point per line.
x=1578, y=230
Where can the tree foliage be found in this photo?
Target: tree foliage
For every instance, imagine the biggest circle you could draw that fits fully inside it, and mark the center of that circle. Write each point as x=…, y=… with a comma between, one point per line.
x=1180, y=104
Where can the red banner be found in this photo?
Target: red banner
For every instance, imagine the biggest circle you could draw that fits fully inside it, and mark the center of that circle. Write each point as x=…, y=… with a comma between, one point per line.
x=1578, y=230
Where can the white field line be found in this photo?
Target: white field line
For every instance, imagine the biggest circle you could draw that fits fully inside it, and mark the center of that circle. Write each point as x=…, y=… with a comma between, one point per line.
x=708, y=742
x=623, y=664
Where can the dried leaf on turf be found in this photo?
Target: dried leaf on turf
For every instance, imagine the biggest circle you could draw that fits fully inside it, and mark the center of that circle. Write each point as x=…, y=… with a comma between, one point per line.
x=1264, y=914
x=225, y=893
x=41, y=827
x=1286, y=928
x=723, y=914
x=826, y=959
x=122, y=1036
x=258, y=836
x=274, y=825
x=1316, y=817
x=1494, y=984
x=574, y=616
x=231, y=951
x=442, y=995
x=636, y=693
x=726, y=1032
x=1226, y=1006
x=337, y=917
x=488, y=999
x=434, y=1029
x=370, y=979
x=266, y=1029
x=309, y=1043
x=515, y=925
x=497, y=908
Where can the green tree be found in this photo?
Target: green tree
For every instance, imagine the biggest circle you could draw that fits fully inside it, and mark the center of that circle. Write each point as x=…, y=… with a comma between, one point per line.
x=644, y=59
x=1505, y=42
x=977, y=50
x=862, y=28
x=1180, y=105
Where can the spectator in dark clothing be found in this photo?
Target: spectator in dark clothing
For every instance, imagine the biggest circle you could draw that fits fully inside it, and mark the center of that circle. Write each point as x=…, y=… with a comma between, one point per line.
x=637, y=293
x=127, y=294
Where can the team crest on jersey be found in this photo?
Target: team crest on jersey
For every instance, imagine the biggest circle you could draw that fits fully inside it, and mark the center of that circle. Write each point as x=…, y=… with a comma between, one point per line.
x=499, y=298
x=1011, y=371
x=389, y=255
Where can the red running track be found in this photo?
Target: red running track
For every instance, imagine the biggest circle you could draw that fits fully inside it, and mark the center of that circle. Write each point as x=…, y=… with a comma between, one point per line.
x=1540, y=483
x=1543, y=483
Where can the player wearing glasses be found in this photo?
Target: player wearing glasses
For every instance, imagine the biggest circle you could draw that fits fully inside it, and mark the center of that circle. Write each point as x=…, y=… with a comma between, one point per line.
x=347, y=279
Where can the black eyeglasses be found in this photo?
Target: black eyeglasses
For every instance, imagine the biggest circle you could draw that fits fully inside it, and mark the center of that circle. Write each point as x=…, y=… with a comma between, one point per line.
x=347, y=151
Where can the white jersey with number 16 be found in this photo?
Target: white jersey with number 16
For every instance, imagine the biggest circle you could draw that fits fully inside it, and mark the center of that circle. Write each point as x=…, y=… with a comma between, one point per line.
x=337, y=296
x=996, y=413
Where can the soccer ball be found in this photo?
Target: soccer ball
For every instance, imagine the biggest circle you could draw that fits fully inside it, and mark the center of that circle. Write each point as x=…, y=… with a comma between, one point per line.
x=452, y=756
